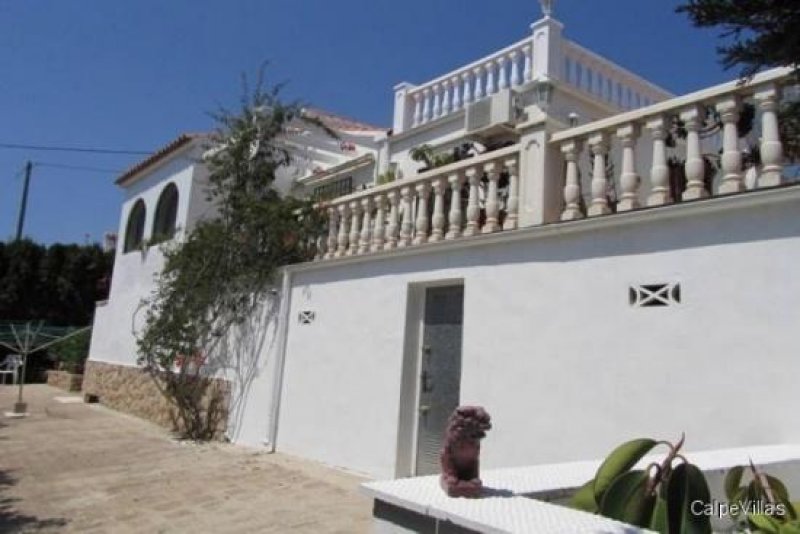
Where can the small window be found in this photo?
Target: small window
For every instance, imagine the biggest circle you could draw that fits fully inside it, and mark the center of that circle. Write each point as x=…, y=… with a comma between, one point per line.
x=166, y=214
x=333, y=190
x=134, y=230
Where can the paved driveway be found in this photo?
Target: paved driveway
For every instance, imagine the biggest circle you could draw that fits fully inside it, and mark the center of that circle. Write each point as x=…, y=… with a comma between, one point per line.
x=84, y=468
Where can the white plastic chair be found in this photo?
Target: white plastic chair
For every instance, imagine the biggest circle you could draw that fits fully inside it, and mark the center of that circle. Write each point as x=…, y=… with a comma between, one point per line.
x=10, y=366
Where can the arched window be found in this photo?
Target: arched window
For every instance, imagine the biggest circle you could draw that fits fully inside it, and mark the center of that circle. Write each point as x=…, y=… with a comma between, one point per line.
x=134, y=230
x=166, y=214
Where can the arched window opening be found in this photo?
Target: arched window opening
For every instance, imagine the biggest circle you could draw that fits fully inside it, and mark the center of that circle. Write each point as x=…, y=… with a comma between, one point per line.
x=166, y=214
x=134, y=230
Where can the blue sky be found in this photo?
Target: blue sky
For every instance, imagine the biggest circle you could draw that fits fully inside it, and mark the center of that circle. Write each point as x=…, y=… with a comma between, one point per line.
x=134, y=74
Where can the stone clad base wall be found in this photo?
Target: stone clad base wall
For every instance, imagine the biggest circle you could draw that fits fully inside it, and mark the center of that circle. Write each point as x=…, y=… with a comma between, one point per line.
x=134, y=391
x=64, y=380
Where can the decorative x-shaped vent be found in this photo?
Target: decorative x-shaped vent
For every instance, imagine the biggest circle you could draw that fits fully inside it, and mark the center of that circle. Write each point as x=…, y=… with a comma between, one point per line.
x=650, y=295
x=306, y=317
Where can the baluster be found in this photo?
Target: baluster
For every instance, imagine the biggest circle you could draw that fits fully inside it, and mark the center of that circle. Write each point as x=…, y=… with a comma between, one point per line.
x=492, y=204
x=437, y=102
x=417, y=110
x=695, y=166
x=426, y=105
x=502, y=75
x=598, y=144
x=491, y=86
x=512, y=204
x=768, y=99
x=527, y=71
x=355, y=231
x=366, y=206
x=421, y=236
x=515, y=74
x=454, y=228
x=343, y=231
x=467, y=89
x=446, y=97
x=572, y=184
x=659, y=173
x=732, y=182
x=456, y=93
x=407, y=225
x=628, y=179
x=473, y=210
x=392, y=229
x=378, y=231
x=319, y=247
x=478, y=83
x=437, y=233
x=332, y=233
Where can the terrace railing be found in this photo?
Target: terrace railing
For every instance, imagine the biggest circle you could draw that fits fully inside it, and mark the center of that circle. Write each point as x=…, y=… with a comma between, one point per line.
x=613, y=142
x=509, y=67
x=477, y=195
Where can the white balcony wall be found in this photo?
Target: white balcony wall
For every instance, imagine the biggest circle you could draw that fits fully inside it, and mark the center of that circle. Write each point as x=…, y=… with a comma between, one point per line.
x=552, y=347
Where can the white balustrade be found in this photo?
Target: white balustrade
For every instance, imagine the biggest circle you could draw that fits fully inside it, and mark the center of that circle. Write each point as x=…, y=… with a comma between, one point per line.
x=456, y=94
x=455, y=218
x=492, y=201
x=629, y=179
x=343, y=235
x=393, y=226
x=478, y=75
x=437, y=101
x=445, y=95
x=732, y=180
x=771, y=149
x=437, y=233
x=445, y=98
x=623, y=89
x=421, y=235
x=512, y=203
x=695, y=165
x=364, y=244
x=333, y=219
x=378, y=232
x=426, y=209
x=473, y=209
x=659, y=171
x=355, y=232
x=684, y=172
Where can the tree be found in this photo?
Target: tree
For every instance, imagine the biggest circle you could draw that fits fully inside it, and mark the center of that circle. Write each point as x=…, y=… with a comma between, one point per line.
x=763, y=32
x=223, y=271
x=59, y=284
x=757, y=34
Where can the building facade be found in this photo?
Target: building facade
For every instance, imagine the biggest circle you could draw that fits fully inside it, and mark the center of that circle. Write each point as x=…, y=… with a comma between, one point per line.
x=582, y=253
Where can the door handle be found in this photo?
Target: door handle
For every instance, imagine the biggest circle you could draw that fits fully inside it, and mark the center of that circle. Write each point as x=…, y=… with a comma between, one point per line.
x=424, y=409
x=425, y=385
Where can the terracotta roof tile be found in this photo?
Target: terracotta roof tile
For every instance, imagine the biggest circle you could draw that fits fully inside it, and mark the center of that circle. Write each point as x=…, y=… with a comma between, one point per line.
x=342, y=124
x=179, y=142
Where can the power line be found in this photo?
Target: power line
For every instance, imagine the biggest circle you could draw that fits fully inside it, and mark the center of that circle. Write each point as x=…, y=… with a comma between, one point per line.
x=16, y=146
x=74, y=167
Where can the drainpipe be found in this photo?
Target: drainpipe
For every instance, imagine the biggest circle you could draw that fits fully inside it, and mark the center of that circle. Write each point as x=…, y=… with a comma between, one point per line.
x=277, y=381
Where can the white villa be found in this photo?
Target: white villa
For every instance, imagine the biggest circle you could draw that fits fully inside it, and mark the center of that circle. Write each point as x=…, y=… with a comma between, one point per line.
x=580, y=271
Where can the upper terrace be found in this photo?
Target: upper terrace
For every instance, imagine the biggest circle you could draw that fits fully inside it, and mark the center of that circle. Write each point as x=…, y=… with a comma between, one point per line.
x=680, y=150
x=545, y=56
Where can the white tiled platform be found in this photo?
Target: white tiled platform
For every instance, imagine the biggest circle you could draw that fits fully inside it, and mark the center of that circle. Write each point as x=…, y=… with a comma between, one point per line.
x=507, y=506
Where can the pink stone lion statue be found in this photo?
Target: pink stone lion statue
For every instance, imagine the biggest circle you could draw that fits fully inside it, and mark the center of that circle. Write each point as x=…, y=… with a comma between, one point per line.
x=461, y=451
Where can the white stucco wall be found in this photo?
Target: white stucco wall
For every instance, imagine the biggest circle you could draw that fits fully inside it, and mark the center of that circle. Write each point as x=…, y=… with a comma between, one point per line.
x=134, y=271
x=552, y=348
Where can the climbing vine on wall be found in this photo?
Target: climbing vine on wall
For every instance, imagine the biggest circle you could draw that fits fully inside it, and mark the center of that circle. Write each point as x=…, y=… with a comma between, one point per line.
x=224, y=268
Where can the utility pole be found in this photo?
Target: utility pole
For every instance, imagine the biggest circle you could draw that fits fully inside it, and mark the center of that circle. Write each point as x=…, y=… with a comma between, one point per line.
x=23, y=203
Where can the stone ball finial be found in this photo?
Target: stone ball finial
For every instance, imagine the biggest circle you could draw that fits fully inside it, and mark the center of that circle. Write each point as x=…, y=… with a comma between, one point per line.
x=547, y=7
